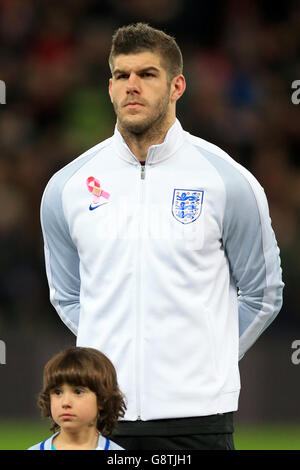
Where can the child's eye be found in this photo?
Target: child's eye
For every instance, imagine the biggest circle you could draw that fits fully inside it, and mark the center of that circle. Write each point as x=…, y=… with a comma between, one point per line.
x=79, y=391
x=56, y=391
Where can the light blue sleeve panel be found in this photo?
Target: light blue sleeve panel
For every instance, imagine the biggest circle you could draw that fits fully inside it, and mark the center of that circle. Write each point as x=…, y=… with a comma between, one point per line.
x=35, y=447
x=251, y=248
x=61, y=256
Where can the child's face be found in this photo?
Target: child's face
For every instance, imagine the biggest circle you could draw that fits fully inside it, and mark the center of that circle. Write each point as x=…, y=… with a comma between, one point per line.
x=73, y=407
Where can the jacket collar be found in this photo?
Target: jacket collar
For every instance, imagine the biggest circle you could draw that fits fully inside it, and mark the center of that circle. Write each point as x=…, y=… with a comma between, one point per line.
x=156, y=153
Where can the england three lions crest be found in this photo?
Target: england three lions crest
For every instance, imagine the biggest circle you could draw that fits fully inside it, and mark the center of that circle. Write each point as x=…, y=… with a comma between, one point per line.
x=187, y=205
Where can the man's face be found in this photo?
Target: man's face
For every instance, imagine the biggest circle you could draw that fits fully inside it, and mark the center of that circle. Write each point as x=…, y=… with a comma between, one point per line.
x=139, y=91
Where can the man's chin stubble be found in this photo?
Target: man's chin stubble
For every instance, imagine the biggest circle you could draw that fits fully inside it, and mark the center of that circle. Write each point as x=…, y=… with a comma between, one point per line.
x=142, y=128
x=137, y=129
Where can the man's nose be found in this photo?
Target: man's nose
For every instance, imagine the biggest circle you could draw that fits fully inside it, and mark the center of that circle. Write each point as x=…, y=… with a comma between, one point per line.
x=133, y=85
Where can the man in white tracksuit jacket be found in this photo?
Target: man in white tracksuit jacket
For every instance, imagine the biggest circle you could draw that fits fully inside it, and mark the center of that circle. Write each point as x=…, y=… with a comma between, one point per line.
x=160, y=252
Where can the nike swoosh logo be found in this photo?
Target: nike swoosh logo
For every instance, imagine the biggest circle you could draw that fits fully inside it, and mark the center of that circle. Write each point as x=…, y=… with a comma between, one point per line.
x=92, y=207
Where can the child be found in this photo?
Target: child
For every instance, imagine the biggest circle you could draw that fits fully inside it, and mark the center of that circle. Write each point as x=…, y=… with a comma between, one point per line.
x=81, y=395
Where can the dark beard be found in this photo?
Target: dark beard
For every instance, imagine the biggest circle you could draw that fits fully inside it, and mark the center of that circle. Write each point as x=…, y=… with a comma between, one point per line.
x=145, y=129
x=136, y=128
x=151, y=126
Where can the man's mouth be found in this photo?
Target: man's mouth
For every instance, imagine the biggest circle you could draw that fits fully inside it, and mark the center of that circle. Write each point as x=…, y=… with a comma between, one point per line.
x=133, y=104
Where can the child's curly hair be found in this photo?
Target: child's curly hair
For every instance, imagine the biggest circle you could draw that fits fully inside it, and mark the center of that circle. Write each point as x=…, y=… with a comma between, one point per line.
x=85, y=367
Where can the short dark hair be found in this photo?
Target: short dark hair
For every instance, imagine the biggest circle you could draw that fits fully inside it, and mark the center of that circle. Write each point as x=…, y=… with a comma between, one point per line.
x=86, y=367
x=141, y=37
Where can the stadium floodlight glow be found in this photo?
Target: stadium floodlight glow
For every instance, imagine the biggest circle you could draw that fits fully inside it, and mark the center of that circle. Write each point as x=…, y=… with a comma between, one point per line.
x=2, y=92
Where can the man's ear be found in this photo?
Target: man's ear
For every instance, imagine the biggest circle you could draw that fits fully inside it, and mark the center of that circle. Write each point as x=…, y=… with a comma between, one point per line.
x=110, y=89
x=178, y=86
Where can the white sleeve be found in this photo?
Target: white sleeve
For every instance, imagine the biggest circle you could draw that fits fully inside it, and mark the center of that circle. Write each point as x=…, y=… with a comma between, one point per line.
x=250, y=245
x=253, y=255
x=61, y=256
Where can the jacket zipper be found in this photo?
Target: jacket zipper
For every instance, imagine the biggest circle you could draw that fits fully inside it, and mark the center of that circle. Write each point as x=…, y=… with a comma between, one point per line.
x=138, y=298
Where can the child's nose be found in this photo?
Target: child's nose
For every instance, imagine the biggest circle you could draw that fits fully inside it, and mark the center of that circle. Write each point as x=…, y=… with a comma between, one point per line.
x=66, y=400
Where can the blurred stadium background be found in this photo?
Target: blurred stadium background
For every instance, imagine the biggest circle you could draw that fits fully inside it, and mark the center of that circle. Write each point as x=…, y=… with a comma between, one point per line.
x=240, y=59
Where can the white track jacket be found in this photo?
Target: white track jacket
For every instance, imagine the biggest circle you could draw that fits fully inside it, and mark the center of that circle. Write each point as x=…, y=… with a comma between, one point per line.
x=171, y=270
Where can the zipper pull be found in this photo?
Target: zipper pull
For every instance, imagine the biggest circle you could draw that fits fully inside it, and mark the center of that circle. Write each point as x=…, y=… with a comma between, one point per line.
x=142, y=172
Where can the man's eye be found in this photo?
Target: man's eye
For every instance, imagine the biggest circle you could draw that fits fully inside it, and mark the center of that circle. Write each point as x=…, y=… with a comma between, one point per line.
x=122, y=76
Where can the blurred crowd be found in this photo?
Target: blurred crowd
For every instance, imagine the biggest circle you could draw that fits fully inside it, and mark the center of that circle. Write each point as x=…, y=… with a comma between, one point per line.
x=240, y=59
